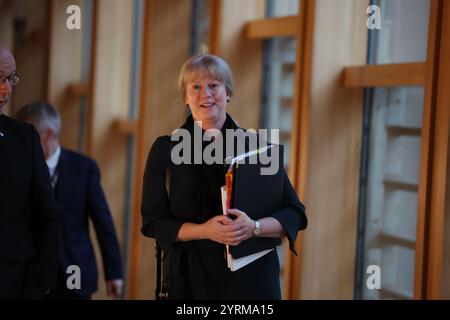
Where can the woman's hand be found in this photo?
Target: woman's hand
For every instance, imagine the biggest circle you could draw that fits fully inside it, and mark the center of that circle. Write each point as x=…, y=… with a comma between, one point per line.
x=244, y=226
x=221, y=229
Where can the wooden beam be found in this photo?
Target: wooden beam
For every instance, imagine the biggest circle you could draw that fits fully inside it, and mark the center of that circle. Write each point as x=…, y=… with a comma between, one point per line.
x=299, y=152
x=215, y=22
x=135, y=241
x=77, y=90
x=439, y=164
x=92, y=78
x=424, y=192
x=272, y=27
x=49, y=45
x=443, y=145
x=125, y=126
x=388, y=75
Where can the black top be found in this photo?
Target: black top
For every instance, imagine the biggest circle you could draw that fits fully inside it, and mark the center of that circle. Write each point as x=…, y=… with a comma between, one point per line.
x=198, y=268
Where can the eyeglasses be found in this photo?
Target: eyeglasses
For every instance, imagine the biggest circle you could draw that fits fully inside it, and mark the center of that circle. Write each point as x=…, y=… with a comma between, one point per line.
x=12, y=79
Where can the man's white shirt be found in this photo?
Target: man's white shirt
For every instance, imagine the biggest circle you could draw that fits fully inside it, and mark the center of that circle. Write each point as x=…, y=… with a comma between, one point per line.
x=52, y=164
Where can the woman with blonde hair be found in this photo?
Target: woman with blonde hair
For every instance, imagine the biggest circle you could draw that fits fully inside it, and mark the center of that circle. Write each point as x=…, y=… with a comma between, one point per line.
x=188, y=222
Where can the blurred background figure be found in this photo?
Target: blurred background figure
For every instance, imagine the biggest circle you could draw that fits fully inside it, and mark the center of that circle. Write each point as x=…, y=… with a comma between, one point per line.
x=75, y=180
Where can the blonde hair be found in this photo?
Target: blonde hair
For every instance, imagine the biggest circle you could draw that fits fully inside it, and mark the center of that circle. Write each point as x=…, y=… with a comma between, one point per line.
x=212, y=65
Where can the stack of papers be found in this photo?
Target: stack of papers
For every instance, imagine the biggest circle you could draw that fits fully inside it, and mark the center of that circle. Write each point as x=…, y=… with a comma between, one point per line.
x=236, y=264
x=255, y=194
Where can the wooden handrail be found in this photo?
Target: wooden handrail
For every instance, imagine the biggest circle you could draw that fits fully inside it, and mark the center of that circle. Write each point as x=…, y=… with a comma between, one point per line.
x=77, y=90
x=384, y=75
x=272, y=27
x=125, y=126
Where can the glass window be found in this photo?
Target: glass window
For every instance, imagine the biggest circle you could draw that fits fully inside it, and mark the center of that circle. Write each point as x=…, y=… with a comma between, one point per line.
x=279, y=8
x=392, y=186
x=278, y=93
x=391, y=157
x=200, y=26
x=404, y=31
x=277, y=99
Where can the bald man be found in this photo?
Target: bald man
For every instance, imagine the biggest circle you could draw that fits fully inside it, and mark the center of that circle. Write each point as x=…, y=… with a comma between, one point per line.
x=29, y=223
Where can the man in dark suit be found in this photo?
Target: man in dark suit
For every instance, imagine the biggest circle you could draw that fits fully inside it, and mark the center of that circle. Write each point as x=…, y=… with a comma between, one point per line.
x=76, y=181
x=29, y=229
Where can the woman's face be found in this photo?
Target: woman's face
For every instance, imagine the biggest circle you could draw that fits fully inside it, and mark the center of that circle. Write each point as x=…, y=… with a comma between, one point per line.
x=207, y=98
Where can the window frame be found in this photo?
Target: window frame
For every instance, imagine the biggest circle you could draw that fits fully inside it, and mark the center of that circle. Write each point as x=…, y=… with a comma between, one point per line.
x=432, y=75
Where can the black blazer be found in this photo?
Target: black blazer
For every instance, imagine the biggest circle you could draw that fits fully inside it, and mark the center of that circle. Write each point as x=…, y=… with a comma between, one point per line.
x=80, y=196
x=28, y=219
x=197, y=269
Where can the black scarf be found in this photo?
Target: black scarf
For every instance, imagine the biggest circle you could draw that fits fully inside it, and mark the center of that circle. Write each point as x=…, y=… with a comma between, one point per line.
x=210, y=177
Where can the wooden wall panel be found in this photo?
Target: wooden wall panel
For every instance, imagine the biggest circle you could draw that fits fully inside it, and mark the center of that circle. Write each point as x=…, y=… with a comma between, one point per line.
x=111, y=100
x=163, y=111
x=243, y=55
x=334, y=145
x=6, y=23
x=65, y=59
x=31, y=52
